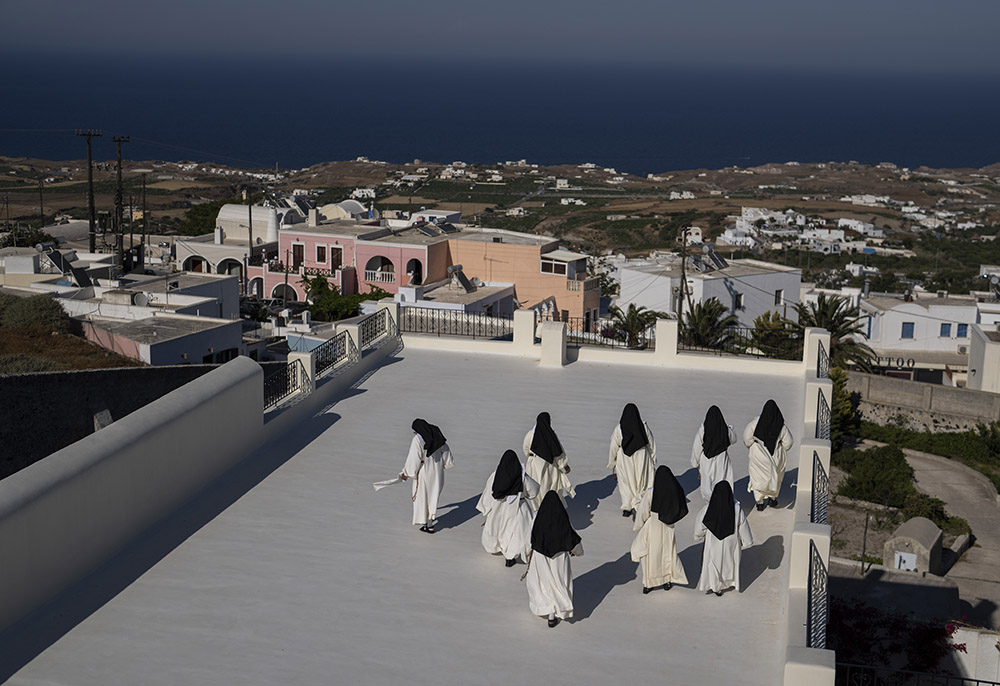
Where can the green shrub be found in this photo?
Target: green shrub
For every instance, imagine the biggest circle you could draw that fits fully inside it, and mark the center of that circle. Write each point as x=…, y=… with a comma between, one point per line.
x=846, y=459
x=6, y=300
x=922, y=505
x=879, y=475
x=38, y=310
x=25, y=364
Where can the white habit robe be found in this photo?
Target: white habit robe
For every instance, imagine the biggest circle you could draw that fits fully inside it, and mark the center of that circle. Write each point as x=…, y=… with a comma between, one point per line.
x=635, y=472
x=550, y=584
x=551, y=476
x=712, y=469
x=427, y=473
x=720, y=560
x=507, y=528
x=655, y=547
x=766, y=471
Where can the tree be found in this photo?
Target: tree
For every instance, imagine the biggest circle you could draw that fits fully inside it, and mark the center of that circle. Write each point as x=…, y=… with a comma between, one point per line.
x=844, y=419
x=836, y=315
x=598, y=266
x=634, y=322
x=327, y=304
x=776, y=338
x=36, y=310
x=707, y=325
x=25, y=238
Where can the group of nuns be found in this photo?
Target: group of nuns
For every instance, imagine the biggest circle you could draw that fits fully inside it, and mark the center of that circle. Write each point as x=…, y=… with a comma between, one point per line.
x=525, y=510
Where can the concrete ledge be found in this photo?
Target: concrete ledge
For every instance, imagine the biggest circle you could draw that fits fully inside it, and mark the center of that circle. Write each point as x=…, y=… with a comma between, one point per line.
x=422, y=341
x=61, y=517
x=809, y=667
x=802, y=535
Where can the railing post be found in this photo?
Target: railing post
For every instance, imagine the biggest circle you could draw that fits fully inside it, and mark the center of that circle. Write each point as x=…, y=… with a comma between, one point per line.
x=353, y=332
x=665, y=352
x=308, y=361
x=392, y=309
x=524, y=332
x=553, y=344
x=815, y=338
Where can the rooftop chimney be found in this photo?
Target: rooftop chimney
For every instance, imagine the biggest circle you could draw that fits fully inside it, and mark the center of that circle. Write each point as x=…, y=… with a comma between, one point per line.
x=313, y=217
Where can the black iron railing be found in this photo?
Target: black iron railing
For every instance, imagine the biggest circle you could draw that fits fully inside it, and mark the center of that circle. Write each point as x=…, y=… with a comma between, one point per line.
x=283, y=382
x=582, y=331
x=820, y=492
x=822, y=417
x=333, y=352
x=778, y=344
x=454, y=323
x=863, y=675
x=819, y=605
x=822, y=362
x=374, y=327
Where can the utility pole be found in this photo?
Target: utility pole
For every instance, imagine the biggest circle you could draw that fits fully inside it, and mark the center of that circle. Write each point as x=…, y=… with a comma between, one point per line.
x=41, y=209
x=90, y=187
x=6, y=204
x=131, y=220
x=684, y=288
x=284, y=291
x=119, y=228
x=250, y=220
x=145, y=223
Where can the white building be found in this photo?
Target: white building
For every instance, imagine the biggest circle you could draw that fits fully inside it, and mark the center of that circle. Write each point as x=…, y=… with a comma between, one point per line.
x=736, y=237
x=747, y=288
x=861, y=270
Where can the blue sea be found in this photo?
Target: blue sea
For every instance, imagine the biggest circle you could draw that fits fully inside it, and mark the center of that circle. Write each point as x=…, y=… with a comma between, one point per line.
x=298, y=112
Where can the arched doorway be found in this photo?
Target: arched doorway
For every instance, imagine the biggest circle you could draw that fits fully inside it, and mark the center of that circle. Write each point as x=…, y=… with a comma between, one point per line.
x=284, y=292
x=380, y=270
x=415, y=271
x=256, y=287
x=230, y=266
x=196, y=263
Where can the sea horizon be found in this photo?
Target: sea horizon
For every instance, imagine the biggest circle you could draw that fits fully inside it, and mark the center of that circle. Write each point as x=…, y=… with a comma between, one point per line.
x=638, y=119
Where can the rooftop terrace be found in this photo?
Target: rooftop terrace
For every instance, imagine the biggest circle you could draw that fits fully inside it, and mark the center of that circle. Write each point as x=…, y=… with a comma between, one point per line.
x=292, y=570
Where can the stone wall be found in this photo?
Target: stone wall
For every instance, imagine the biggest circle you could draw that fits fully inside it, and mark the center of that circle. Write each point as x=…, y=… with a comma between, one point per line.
x=48, y=411
x=922, y=406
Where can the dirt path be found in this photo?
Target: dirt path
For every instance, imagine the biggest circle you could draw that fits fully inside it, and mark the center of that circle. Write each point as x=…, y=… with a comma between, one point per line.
x=970, y=495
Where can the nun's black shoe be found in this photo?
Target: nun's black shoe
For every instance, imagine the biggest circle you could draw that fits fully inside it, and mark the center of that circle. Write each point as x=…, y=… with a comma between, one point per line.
x=773, y=502
x=761, y=506
x=646, y=590
x=427, y=529
x=667, y=586
x=553, y=622
x=510, y=563
x=718, y=593
x=626, y=513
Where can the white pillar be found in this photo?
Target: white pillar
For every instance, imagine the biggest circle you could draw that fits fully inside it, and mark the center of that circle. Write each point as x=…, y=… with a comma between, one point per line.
x=553, y=344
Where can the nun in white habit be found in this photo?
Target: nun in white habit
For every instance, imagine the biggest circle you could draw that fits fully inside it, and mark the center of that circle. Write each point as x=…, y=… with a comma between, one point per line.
x=505, y=503
x=429, y=456
x=633, y=457
x=546, y=460
x=654, y=547
x=709, y=454
x=550, y=577
x=769, y=441
x=724, y=528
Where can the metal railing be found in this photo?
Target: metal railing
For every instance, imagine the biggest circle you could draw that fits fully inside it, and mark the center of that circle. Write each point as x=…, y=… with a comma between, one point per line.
x=375, y=276
x=454, y=323
x=333, y=352
x=863, y=675
x=779, y=344
x=822, y=417
x=372, y=328
x=822, y=362
x=819, y=600
x=282, y=383
x=820, y=492
x=580, y=331
x=320, y=271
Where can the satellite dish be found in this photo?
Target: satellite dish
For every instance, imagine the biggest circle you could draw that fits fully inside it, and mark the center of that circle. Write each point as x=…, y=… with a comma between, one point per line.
x=995, y=279
x=141, y=299
x=705, y=249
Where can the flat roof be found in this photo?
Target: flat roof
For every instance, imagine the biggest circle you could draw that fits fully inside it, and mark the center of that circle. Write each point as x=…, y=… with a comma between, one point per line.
x=158, y=329
x=672, y=268
x=298, y=572
x=452, y=293
x=560, y=255
x=158, y=284
x=887, y=302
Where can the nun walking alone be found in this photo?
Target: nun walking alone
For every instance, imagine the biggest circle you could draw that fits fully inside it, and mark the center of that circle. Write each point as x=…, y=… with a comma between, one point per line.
x=429, y=456
x=505, y=503
x=709, y=454
x=550, y=576
x=632, y=457
x=724, y=528
x=769, y=441
x=655, y=547
x=546, y=460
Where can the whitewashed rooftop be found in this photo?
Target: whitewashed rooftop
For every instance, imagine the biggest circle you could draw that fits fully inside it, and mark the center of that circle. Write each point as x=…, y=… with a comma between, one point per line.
x=298, y=573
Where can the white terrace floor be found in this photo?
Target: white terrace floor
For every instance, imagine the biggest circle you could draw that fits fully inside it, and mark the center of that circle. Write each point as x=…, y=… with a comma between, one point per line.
x=312, y=578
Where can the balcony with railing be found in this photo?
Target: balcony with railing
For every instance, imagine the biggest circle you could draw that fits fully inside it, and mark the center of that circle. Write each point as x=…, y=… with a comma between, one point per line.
x=454, y=323
x=778, y=344
x=379, y=276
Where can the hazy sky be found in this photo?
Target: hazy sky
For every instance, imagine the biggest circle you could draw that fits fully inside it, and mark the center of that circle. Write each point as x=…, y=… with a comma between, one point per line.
x=843, y=35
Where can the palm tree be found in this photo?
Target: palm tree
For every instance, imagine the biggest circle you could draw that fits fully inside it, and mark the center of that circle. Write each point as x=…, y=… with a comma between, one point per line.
x=708, y=325
x=634, y=322
x=846, y=327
